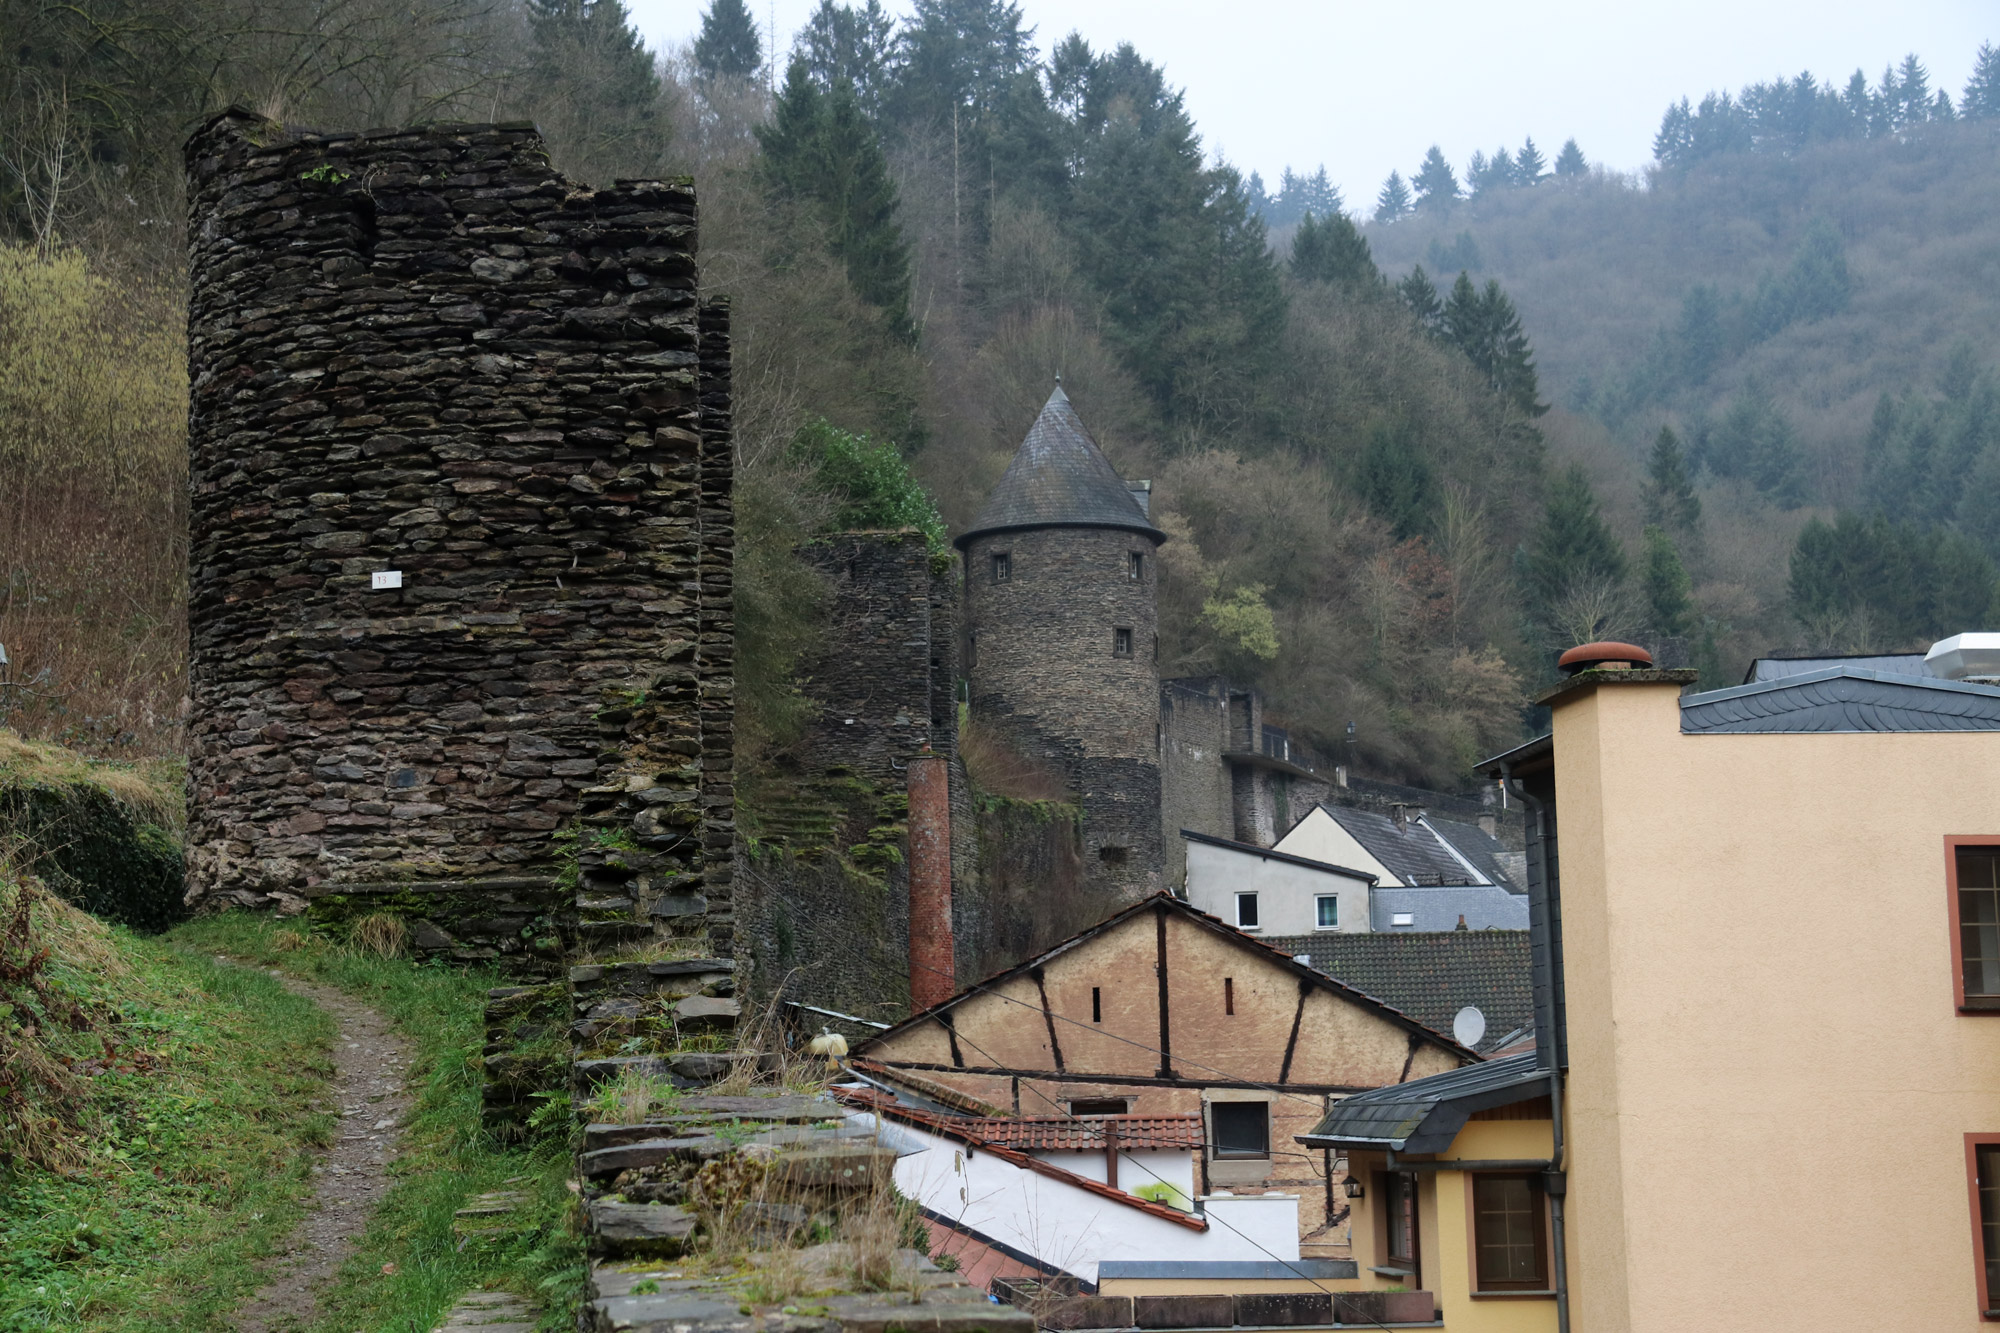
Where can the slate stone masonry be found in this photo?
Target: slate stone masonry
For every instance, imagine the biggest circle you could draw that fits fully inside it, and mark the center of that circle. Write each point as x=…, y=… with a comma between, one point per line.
x=423, y=358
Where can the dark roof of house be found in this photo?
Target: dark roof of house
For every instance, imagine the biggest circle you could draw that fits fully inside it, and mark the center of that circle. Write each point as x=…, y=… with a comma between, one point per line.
x=1480, y=906
x=1889, y=664
x=1431, y=975
x=1166, y=902
x=1272, y=854
x=1060, y=479
x=1411, y=853
x=1844, y=698
x=1478, y=846
x=1425, y=1115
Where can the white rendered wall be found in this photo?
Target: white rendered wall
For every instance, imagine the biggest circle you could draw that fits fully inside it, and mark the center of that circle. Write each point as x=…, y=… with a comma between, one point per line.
x=1286, y=893
x=1073, y=1229
x=1319, y=837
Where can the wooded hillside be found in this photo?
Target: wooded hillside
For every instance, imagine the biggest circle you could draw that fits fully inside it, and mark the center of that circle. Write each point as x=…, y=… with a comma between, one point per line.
x=1802, y=288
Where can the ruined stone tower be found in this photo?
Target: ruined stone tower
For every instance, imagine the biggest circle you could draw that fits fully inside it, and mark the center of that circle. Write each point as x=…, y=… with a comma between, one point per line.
x=461, y=533
x=1060, y=616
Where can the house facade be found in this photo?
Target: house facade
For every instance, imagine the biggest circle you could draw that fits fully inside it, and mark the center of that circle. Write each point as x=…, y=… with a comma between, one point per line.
x=1162, y=1010
x=1767, y=960
x=1426, y=873
x=1263, y=891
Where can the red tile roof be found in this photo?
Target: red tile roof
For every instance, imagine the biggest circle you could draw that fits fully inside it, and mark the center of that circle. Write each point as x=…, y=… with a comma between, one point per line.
x=965, y=1131
x=1067, y=1134
x=978, y=1262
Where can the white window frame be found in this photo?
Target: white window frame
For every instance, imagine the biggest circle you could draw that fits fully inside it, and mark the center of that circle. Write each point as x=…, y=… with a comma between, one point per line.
x=1254, y=910
x=1319, y=899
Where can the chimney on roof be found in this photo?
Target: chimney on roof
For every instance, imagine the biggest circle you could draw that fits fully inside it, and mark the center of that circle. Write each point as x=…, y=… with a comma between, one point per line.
x=1461, y=922
x=932, y=970
x=1404, y=814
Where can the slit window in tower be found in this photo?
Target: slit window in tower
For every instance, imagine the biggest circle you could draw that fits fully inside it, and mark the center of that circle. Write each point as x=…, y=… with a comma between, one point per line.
x=1138, y=565
x=1003, y=566
x=1121, y=642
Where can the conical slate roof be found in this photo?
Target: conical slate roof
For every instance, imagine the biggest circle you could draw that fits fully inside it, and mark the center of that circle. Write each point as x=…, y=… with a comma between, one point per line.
x=1060, y=479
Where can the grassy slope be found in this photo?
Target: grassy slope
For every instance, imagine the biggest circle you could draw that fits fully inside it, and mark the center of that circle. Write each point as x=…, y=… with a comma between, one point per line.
x=446, y=1160
x=190, y=1161
x=197, y=1168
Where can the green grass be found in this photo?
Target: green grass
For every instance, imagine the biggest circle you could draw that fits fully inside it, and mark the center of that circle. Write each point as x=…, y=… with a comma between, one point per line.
x=446, y=1158
x=188, y=1163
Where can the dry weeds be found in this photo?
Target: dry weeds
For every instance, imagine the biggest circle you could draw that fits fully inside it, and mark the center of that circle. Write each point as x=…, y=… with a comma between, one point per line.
x=380, y=933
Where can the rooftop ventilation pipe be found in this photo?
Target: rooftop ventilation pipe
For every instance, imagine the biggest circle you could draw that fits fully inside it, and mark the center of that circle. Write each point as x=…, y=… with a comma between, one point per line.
x=1974, y=657
x=931, y=962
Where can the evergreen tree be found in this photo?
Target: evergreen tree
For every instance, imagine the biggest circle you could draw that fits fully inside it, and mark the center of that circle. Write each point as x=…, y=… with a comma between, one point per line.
x=1668, y=590
x=1436, y=186
x=1570, y=165
x=1168, y=242
x=852, y=45
x=1912, y=92
x=1396, y=484
x=1669, y=491
x=1698, y=339
x=821, y=152
x=1529, y=164
x=963, y=55
x=595, y=86
x=1485, y=326
x=1258, y=197
x=1394, y=201
x=728, y=46
x=1755, y=441
x=1332, y=251
x=1981, y=99
x=1572, y=549
x=1421, y=296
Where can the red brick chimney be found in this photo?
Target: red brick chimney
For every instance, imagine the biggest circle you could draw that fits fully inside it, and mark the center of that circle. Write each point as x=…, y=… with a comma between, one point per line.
x=931, y=975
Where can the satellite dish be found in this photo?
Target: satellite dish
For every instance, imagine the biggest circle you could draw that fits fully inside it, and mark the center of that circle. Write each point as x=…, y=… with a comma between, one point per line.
x=1469, y=1027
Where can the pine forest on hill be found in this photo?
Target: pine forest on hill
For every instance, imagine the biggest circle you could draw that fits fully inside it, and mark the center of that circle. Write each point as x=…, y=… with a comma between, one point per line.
x=1391, y=496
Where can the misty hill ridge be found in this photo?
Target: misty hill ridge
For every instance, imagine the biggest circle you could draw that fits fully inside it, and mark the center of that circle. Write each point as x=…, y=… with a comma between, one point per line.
x=1600, y=268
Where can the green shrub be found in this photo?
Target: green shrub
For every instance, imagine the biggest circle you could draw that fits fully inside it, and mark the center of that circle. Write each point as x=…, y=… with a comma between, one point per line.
x=871, y=484
x=95, y=853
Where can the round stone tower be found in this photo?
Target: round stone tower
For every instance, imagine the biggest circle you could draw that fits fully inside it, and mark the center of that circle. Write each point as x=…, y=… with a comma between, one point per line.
x=1060, y=615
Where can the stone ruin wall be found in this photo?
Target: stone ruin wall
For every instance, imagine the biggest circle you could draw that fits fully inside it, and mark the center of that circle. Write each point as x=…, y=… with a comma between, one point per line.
x=425, y=351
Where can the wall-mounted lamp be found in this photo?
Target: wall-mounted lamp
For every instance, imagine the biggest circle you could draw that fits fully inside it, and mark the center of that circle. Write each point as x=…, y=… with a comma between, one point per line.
x=1353, y=1187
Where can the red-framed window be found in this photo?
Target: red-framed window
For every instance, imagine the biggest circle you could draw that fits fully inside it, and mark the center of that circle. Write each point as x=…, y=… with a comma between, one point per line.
x=1982, y=1185
x=1972, y=879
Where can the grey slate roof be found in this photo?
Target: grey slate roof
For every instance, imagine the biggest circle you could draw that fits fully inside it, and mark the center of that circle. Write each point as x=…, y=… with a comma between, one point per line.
x=1844, y=698
x=1478, y=846
x=1060, y=478
x=1410, y=853
x=1432, y=975
x=1482, y=906
x=1423, y=1116
x=1889, y=664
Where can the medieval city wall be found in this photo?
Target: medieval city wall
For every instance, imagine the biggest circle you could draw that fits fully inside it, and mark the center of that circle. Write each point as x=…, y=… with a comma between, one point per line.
x=460, y=537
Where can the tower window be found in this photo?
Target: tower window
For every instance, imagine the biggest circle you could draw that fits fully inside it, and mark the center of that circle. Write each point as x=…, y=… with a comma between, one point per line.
x=1121, y=642
x=1138, y=569
x=971, y=657
x=1003, y=566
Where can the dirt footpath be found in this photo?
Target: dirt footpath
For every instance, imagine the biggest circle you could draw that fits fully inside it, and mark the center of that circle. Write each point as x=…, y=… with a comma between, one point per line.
x=368, y=1090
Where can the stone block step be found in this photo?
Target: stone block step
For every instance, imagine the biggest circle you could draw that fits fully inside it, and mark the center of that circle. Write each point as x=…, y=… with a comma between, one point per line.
x=639, y=1230
x=489, y=1312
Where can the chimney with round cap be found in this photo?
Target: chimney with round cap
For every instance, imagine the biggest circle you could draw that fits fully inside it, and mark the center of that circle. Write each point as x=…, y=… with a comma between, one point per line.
x=1608, y=655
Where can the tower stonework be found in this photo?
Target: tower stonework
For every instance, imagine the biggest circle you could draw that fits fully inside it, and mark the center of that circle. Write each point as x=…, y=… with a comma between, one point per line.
x=460, y=548
x=1061, y=621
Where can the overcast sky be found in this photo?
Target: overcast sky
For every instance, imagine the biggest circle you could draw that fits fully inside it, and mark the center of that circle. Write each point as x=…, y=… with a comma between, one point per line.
x=1365, y=88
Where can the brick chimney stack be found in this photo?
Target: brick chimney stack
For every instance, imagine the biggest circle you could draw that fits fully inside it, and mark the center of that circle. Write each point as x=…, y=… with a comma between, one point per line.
x=932, y=979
